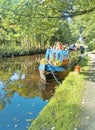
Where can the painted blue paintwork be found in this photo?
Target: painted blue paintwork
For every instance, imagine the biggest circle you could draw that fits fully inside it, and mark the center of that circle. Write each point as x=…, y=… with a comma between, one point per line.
x=58, y=55
x=49, y=67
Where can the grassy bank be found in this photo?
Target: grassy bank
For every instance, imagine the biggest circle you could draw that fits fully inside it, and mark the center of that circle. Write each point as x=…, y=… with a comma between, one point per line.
x=63, y=109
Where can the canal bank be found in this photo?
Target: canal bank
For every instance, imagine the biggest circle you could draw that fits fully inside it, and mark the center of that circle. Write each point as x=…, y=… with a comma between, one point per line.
x=63, y=109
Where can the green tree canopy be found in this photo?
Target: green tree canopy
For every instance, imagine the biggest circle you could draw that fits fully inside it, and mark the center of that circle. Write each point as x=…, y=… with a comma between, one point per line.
x=40, y=22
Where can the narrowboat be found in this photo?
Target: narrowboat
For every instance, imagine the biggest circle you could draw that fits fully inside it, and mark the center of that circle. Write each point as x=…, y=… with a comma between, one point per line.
x=57, y=63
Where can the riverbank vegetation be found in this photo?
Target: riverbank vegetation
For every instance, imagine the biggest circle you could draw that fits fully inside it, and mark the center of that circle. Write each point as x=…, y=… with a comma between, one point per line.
x=63, y=109
x=27, y=27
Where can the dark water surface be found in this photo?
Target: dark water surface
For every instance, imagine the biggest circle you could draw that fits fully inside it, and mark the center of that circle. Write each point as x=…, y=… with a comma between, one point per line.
x=22, y=94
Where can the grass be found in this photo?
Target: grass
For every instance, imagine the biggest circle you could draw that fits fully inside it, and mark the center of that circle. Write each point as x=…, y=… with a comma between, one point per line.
x=63, y=109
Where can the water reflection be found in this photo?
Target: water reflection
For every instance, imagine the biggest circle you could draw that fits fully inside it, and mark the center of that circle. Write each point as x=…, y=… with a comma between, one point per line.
x=19, y=75
x=46, y=89
x=25, y=88
x=22, y=93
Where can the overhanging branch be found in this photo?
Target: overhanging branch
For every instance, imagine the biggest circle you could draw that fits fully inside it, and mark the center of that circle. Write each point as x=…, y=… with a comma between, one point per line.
x=63, y=14
x=73, y=14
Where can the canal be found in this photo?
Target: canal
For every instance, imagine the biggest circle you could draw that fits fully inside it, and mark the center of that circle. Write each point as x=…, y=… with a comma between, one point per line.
x=22, y=93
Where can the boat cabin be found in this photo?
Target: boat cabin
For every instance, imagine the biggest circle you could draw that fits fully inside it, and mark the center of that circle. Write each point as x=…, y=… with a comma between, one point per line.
x=57, y=55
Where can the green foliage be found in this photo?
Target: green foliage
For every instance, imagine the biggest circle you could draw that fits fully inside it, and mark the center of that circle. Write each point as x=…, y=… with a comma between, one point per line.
x=93, y=51
x=85, y=19
x=91, y=44
x=43, y=22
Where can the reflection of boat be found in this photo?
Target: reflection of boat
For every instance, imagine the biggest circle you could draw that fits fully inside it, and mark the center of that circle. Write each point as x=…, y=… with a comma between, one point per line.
x=46, y=89
x=57, y=63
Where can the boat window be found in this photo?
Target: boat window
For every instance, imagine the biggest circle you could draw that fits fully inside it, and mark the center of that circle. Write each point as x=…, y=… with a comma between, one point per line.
x=66, y=57
x=58, y=55
x=48, y=57
x=54, y=55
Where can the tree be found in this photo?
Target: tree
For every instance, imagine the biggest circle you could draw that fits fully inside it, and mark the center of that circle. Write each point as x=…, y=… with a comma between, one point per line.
x=40, y=22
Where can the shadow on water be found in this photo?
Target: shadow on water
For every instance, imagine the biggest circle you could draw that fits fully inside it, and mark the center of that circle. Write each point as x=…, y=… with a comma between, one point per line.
x=22, y=93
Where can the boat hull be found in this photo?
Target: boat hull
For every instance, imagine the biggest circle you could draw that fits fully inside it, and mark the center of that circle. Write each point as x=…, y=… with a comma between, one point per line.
x=55, y=75
x=59, y=75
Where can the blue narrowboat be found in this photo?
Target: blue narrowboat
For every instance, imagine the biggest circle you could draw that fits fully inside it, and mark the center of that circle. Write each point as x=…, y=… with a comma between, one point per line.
x=56, y=64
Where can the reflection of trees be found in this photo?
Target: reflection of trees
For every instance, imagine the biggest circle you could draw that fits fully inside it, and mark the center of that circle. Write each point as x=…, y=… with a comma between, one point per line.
x=2, y=104
x=4, y=95
x=5, y=98
x=24, y=89
x=18, y=75
x=46, y=89
x=24, y=64
x=11, y=72
x=27, y=88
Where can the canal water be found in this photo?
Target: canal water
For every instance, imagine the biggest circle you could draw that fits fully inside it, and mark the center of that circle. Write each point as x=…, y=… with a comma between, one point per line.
x=22, y=93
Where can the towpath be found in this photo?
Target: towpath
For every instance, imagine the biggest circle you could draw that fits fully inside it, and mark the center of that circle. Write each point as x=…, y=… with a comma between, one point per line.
x=88, y=110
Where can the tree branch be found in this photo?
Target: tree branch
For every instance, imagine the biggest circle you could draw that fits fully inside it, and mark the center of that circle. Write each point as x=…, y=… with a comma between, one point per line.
x=69, y=14
x=64, y=14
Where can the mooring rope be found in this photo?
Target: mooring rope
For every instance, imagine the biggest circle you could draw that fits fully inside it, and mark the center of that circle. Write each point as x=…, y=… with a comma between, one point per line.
x=54, y=76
